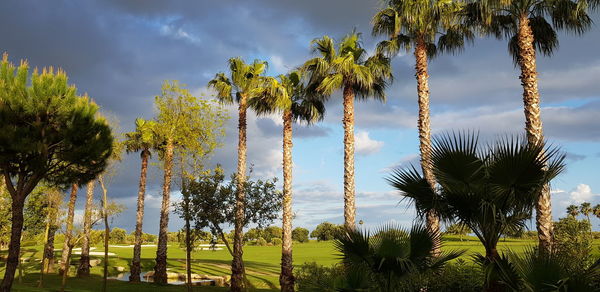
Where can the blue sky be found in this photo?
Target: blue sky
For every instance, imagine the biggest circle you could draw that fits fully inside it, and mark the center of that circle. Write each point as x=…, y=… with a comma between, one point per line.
x=120, y=51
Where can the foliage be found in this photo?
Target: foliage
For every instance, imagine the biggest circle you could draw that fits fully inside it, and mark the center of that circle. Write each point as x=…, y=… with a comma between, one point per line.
x=325, y=231
x=387, y=259
x=311, y=277
x=276, y=241
x=118, y=235
x=5, y=211
x=456, y=276
x=492, y=190
x=573, y=240
x=244, y=78
x=300, y=234
x=573, y=210
x=261, y=242
x=457, y=229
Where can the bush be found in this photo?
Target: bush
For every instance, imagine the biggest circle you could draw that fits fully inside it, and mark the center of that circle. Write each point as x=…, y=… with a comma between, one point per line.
x=261, y=242
x=276, y=241
x=300, y=234
x=574, y=241
x=313, y=277
x=458, y=276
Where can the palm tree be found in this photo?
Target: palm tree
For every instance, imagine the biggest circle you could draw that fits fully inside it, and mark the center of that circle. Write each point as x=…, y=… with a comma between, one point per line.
x=573, y=211
x=596, y=211
x=287, y=95
x=382, y=261
x=586, y=209
x=244, y=78
x=347, y=68
x=66, y=250
x=490, y=190
x=142, y=140
x=84, y=261
x=530, y=26
x=419, y=25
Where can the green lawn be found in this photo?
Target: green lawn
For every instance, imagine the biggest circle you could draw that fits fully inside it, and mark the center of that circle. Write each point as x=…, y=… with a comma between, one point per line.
x=262, y=264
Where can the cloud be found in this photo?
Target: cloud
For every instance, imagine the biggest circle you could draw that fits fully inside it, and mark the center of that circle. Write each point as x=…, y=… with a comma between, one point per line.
x=581, y=193
x=365, y=145
x=575, y=157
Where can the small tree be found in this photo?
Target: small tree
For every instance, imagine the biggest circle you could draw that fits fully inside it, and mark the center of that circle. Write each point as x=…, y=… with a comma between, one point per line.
x=300, y=234
x=325, y=231
x=47, y=133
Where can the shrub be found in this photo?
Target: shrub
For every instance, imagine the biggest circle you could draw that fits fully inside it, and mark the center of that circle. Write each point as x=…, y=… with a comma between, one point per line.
x=574, y=241
x=261, y=242
x=276, y=241
x=300, y=234
x=313, y=277
x=458, y=276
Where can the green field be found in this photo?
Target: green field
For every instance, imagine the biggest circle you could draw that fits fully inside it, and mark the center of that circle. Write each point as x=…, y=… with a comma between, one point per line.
x=262, y=264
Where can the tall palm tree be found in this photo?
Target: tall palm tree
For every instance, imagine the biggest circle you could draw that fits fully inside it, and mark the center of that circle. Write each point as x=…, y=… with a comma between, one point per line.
x=142, y=140
x=426, y=27
x=345, y=66
x=84, y=261
x=530, y=26
x=243, y=79
x=596, y=211
x=287, y=95
x=490, y=190
x=573, y=210
x=586, y=209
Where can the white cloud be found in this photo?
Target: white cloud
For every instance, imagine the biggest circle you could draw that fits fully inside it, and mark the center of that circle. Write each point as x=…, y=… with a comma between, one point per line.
x=581, y=193
x=365, y=145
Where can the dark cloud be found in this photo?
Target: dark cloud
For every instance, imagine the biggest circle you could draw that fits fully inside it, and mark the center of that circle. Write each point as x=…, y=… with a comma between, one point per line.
x=269, y=128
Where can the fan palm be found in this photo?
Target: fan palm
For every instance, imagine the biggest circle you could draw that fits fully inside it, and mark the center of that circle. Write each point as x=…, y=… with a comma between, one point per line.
x=573, y=211
x=346, y=66
x=390, y=256
x=586, y=209
x=142, y=140
x=531, y=25
x=243, y=79
x=429, y=27
x=287, y=95
x=490, y=190
x=596, y=211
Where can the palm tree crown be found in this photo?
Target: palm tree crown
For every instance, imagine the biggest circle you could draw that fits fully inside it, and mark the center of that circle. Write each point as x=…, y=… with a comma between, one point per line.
x=143, y=138
x=573, y=210
x=244, y=77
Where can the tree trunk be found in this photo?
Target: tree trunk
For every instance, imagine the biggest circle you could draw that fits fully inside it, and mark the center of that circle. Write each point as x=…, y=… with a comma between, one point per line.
x=349, y=187
x=188, y=252
x=49, y=251
x=286, y=279
x=237, y=264
x=160, y=269
x=137, y=247
x=14, y=247
x=64, y=265
x=106, y=232
x=533, y=126
x=84, y=261
x=424, y=127
x=493, y=285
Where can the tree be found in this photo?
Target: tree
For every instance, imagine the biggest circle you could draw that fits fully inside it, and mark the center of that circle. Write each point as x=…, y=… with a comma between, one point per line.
x=347, y=68
x=287, y=95
x=490, y=190
x=84, y=260
x=573, y=240
x=67, y=142
x=430, y=27
x=458, y=229
x=183, y=123
x=214, y=203
x=300, y=234
x=5, y=212
x=573, y=210
x=118, y=235
x=382, y=261
x=325, y=231
x=596, y=211
x=143, y=140
x=54, y=199
x=243, y=79
x=35, y=212
x=586, y=209
x=530, y=26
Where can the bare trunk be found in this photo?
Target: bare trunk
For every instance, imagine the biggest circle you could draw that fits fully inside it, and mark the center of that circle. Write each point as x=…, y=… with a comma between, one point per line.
x=286, y=279
x=84, y=262
x=160, y=269
x=533, y=126
x=14, y=247
x=349, y=187
x=49, y=251
x=106, y=232
x=188, y=252
x=137, y=247
x=64, y=265
x=424, y=127
x=237, y=264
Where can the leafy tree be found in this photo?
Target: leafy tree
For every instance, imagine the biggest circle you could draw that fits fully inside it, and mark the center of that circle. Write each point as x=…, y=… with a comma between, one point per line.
x=325, y=231
x=573, y=210
x=272, y=232
x=573, y=239
x=35, y=212
x=118, y=235
x=300, y=234
x=288, y=95
x=184, y=123
x=491, y=190
x=143, y=140
x=346, y=66
x=458, y=229
x=243, y=79
x=531, y=26
x=67, y=143
x=430, y=27
x=381, y=262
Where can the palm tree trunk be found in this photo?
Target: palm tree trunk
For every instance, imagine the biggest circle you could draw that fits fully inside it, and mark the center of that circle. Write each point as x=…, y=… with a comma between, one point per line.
x=160, y=269
x=533, y=126
x=237, y=264
x=64, y=265
x=286, y=279
x=424, y=127
x=14, y=246
x=84, y=261
x=137, y=246
x=49, y=250
x=349, y=187
x=106, y=232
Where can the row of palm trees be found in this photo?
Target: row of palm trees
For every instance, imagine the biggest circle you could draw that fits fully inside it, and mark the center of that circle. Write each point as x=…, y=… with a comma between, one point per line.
x=584, y=209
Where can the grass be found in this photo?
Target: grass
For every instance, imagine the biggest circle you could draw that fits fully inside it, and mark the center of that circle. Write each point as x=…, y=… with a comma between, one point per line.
x=262, y=264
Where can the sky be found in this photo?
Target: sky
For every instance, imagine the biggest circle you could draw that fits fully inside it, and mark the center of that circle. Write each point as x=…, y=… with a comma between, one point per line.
x=120, y=51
